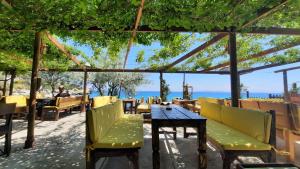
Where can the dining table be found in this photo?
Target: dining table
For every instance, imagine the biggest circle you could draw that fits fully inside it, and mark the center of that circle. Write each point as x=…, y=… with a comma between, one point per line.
x=177, y=116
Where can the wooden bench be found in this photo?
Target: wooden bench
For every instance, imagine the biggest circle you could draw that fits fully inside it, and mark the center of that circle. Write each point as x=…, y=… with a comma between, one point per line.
x=62, y=104
x=110, y=132
x=21, y=105
x=197, y=106
x=240, y=132
x=7, y=110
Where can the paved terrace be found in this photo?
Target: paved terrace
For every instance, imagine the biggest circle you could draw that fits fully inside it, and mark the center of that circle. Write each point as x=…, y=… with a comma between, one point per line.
x=60, y=144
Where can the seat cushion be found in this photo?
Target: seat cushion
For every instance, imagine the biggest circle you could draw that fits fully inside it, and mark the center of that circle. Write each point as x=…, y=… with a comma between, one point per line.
x=254, y=123
x=123, y=134
x=230, y=139
x=143, y=108
x=133, y=117
x=211, y=111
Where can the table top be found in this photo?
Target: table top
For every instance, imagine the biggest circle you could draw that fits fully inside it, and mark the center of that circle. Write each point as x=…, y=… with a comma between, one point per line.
x=177, y=113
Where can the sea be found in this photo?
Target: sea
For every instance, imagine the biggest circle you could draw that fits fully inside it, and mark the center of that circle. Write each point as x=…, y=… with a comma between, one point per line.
x=195, y=95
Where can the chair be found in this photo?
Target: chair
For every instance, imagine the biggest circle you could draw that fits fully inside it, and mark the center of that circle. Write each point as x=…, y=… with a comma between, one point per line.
x=7, y=110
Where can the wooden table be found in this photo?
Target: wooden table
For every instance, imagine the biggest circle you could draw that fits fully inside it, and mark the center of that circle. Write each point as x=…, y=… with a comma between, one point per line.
x=183, y=102
x=177, y=117
x=130, y=102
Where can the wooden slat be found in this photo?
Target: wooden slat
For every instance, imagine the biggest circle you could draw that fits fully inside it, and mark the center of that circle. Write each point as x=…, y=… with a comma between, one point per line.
x=64, y=50
x=257, y=55
x=288, y=69
x=196, y=50
x=136, y=24
x=135, y=70
x=266, y=67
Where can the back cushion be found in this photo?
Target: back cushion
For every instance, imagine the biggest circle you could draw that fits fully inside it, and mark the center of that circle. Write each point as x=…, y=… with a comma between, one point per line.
x=211, y=100
x=211, y=111
x=19, y=100
x=281, y=111
x=249, y=104
x=101, y=101
x=251, y=122
x=101, y=119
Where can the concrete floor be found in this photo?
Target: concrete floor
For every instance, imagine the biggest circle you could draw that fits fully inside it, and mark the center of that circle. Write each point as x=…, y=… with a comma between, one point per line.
x=60, y=144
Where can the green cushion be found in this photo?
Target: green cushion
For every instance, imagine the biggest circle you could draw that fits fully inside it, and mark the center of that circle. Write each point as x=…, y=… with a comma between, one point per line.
x=230, y=139
x=211, y=111
x=122, y=134
x=251, y=122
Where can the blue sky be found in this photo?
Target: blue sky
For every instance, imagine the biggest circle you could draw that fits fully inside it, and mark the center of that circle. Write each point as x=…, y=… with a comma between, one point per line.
x=258, y=81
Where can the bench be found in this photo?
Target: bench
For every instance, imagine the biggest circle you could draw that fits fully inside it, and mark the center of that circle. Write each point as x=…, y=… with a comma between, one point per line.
x=240, y=132
x=197, y=106
x=21, y=105
x=62, y=104
x=7, y=110
x=103, y=100
x=110, y=133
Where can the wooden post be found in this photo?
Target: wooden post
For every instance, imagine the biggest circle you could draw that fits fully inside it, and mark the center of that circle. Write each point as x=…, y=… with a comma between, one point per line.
x=29, y=143
x=4, y=84
x=285, y=86
x=233, y=69
x=83, y=109
x=12, y=81
x=161, y=85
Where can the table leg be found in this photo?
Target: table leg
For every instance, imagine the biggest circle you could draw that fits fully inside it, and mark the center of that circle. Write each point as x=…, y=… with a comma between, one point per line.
x=201, y=133
x=155, y=146
x=185, y=135
x=175, y=133
x=131, y=107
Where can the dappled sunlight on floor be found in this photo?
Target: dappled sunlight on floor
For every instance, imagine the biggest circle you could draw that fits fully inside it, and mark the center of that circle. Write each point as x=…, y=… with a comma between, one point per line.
x=59, y=144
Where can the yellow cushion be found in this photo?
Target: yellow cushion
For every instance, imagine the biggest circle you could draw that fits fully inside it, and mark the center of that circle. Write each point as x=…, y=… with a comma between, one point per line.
x=133, y=117
x=211, y=111
x=143, y=108
x=123, y=134
x=251, y=122
x=21, y=101
x=230, y=139
x=49, y=107
x=101, y=101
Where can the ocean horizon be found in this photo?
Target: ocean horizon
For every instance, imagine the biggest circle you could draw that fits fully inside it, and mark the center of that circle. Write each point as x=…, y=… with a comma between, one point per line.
x=195, y=95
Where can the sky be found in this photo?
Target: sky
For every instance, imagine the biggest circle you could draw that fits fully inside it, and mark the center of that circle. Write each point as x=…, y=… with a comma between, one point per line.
x=259, y=81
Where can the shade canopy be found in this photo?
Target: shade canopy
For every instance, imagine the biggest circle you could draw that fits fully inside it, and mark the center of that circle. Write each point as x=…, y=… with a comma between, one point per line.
x=167, y=35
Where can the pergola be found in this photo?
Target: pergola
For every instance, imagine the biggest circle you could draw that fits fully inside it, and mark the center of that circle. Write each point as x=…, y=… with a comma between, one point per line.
x=285, y=80
x=138, y=26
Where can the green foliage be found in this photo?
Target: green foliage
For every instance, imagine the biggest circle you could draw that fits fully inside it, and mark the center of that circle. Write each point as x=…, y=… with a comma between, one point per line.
x=165, y=90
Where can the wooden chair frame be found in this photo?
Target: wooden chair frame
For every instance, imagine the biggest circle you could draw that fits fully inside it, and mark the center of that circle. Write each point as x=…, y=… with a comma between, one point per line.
x=131, y=153
x=7, y=110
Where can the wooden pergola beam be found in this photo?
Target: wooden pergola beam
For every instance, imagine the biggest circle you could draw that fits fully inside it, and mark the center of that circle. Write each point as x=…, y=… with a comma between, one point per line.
x=288, y=69
x=246, y=71
x=257, y=55
x=147, y=29
x=265, y=12
x=196, y=50
x=261, y=13
x=135, y=71
x=133, y=35
x=61, y=47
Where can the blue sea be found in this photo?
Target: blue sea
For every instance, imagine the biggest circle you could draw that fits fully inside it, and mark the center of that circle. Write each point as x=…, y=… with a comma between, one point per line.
x=195, y=95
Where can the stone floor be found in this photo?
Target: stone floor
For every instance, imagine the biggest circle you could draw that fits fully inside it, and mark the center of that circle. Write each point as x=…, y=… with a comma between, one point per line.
x=60, y=144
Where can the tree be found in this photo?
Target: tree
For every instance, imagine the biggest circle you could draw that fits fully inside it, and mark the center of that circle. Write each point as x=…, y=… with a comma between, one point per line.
x=165, y=90
x=111, y=83
x=53, y=79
